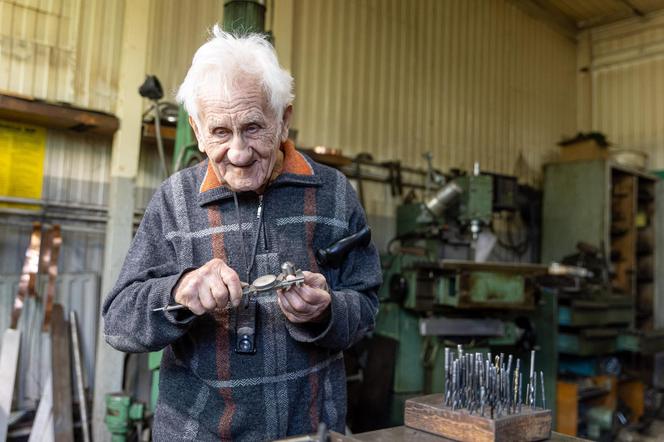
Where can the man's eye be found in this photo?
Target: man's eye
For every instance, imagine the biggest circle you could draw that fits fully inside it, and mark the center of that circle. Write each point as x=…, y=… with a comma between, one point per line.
x=253, y=128
x=220, y=131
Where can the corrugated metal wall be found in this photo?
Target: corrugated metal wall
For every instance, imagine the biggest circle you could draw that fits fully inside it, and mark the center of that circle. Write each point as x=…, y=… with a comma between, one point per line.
x=62, y=50
x=177, y=29
x=628, y=85
x=67, y=50
x=469, y=80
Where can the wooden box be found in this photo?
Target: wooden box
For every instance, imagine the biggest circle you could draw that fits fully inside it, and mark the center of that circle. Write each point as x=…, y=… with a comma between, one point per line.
x=427, y=413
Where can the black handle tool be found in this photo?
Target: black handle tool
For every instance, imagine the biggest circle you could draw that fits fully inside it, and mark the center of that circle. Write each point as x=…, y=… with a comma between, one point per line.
x=334, y=255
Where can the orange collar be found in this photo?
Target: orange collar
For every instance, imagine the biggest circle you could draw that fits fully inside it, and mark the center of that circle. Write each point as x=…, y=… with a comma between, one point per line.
x=294, y=163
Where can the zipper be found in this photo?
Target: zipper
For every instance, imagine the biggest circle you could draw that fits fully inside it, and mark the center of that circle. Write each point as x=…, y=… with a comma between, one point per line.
x=261, y=223
x=260, y=207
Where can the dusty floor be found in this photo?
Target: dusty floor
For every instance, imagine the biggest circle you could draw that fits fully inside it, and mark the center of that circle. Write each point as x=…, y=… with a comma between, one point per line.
x=655, y=433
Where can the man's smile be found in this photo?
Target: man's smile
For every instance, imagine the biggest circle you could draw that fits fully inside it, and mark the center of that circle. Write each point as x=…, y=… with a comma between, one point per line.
x=243, y=166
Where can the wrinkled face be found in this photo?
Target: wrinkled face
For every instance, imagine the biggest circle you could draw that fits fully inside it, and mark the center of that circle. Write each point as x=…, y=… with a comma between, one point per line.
x=240, y=134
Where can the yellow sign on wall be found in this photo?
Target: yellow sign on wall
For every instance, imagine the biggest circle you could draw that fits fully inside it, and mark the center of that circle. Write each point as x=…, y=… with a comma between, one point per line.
x=22, y=151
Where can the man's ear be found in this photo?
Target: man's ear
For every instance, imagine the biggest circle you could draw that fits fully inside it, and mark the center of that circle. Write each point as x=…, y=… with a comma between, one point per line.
x=193, y=125
x=285, y=122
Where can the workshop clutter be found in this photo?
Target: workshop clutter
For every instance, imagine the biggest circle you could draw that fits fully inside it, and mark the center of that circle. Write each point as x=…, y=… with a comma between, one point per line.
x=47, y=339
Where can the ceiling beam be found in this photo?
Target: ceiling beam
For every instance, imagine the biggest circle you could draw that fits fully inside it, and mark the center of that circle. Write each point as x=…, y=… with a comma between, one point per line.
x=545, y=11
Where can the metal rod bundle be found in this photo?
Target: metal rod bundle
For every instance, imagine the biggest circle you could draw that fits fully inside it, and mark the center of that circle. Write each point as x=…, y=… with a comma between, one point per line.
x=491, y=388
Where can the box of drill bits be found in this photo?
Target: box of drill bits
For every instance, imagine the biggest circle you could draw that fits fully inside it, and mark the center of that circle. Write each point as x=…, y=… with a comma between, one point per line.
x=484, y=401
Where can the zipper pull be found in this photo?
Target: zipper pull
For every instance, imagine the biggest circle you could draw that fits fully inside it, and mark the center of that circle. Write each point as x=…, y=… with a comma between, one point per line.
x=260, y=207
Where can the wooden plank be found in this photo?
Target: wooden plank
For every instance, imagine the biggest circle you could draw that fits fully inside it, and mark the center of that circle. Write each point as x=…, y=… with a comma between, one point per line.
x=406, y=434
x=567, y=405
x=11, y=342
x=53, y=251
x=167, y=134
x=427, y=413
x=623, y=231
x=609, y=383
x=632, y=394
x=62, y=404
x=57, y=115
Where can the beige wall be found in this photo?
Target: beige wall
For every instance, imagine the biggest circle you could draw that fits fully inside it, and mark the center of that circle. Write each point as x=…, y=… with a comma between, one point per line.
x=177, y=29
x=628, y=84
x=466, y=79
x=61, y=50
x=68, y=50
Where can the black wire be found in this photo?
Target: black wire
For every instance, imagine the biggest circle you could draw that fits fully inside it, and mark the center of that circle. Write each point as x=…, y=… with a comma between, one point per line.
x=239, y=226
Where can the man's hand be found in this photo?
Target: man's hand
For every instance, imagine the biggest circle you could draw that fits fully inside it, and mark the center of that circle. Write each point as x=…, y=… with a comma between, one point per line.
x=209, y=288
x=308, y=303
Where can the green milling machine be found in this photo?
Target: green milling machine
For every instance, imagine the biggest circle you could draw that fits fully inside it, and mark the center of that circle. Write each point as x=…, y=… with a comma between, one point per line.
x=435, y=295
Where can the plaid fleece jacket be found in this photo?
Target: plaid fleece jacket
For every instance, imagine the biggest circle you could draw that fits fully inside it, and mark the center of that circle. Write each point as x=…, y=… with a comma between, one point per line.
x=296, y=379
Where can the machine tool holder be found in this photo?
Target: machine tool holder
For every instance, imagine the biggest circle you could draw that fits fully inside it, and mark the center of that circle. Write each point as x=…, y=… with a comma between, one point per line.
x=483, y=400
x=427, y=413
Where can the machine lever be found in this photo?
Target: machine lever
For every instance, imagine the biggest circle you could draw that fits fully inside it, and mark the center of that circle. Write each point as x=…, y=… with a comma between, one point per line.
x=333, y=255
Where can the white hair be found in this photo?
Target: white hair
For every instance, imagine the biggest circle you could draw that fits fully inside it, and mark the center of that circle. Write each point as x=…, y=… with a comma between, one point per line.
x=227, y=58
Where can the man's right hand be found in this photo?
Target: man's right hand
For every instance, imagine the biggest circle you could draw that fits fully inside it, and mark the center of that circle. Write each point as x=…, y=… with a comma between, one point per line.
x=209, y=288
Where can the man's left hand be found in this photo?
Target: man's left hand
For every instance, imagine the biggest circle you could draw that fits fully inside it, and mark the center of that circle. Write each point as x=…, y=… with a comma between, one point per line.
x=308, y=303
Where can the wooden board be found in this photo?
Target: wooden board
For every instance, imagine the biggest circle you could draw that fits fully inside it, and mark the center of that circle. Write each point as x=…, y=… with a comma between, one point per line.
x=405, y=434
x=567, y=406
x=632, y=394
x=427, y=413
x=57, y=116
x=51, y=264
x=60, y=355
x=623, y=231
x=11, y=342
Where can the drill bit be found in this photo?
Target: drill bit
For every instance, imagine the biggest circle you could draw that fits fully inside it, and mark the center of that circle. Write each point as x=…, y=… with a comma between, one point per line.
x=542, y=383
x=447, y=377
x=516, y=387
x=455, y=382
x=482, y=399
x=520, y=391
x=534, y=401
x=474, y=381
x=508, y=390
x=531, y=385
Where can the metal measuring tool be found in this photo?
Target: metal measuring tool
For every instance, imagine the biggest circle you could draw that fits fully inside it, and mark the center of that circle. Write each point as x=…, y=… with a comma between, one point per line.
x=261, y=284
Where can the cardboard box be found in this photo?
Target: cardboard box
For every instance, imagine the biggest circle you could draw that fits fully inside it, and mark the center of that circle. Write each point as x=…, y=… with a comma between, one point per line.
x=583, y=150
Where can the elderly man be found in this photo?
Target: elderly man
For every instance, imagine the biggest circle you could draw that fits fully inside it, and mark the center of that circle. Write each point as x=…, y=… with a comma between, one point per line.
x=254, y=204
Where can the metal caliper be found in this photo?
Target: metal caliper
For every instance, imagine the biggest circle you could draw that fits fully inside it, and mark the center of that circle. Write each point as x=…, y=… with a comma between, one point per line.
x=261, y=284
x=246, y=317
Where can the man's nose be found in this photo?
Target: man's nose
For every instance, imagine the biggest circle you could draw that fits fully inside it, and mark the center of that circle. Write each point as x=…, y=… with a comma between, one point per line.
x=240, y=152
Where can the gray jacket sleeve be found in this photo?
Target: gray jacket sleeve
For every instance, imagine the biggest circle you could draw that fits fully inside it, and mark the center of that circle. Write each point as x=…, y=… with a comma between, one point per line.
x=354, y=291
x=149, y=273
